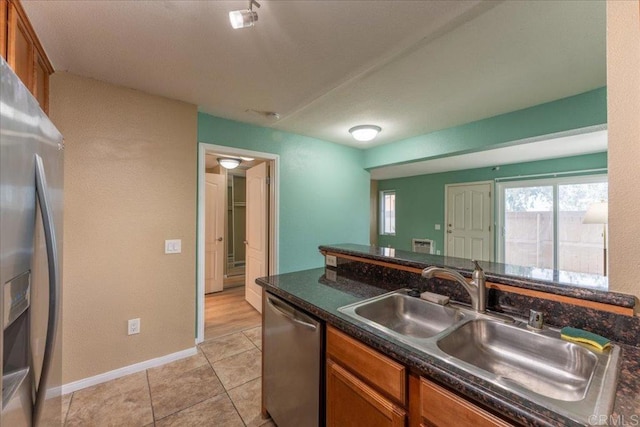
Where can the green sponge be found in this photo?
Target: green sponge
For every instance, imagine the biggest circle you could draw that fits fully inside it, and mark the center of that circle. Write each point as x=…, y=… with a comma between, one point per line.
x=578, y=335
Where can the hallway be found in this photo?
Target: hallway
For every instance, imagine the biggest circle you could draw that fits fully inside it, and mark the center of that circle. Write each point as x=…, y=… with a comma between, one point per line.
x=227, y=312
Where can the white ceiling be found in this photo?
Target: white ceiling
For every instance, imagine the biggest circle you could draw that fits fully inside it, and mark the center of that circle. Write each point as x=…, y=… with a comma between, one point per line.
x=411, y=67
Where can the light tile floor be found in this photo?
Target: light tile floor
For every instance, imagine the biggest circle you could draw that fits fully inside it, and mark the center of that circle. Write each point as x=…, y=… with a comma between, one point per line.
x=220, y=386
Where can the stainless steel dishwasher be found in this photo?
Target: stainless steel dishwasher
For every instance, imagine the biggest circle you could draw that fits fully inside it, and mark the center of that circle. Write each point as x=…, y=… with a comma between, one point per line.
x=293, y=365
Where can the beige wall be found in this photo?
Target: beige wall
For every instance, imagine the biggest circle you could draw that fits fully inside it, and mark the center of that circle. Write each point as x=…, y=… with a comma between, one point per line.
x=623, y=110
x=130, y=183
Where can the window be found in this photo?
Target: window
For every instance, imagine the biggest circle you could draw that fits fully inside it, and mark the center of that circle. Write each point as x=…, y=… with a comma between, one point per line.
x=541, y=223
x=388, y=212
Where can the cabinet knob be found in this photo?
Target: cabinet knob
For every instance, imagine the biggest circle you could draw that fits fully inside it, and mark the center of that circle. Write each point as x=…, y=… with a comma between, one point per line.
x=219, y=239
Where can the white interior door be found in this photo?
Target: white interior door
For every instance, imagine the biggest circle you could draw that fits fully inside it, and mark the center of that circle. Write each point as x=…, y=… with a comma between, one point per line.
x=469, y=216
x=215, y=202
x=256, y=232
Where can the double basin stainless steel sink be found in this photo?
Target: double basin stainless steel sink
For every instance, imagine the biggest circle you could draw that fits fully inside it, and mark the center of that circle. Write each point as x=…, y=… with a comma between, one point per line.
x=574, y=380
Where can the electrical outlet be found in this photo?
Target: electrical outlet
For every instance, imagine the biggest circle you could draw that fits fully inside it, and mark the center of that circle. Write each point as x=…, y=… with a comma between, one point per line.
x=331, y=260
x=437, y=252
x=437, y=226
x=134, y=326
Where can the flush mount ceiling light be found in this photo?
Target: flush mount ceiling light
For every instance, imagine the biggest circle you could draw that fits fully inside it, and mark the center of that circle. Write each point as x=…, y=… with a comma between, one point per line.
x=364, y=132
x=244, y=18
x=229, y=163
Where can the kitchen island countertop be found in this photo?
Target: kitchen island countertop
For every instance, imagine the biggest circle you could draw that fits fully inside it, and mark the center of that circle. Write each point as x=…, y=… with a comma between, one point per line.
x=322, y=294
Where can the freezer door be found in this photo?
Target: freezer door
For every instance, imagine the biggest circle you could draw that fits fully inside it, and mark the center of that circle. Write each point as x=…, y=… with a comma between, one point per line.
x=26, y=133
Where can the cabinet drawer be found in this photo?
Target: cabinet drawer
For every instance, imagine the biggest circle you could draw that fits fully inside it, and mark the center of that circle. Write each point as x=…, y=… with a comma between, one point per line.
x=386, y=375
x=352, y=403
x=440, y=407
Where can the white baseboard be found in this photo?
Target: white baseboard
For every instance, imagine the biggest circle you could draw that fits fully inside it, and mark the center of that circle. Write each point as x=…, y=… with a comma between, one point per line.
x=131, y=369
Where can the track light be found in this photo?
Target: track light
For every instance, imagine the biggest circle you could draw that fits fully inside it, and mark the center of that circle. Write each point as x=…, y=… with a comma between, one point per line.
x=244, y=18
x=364, y=132
x=229, y=163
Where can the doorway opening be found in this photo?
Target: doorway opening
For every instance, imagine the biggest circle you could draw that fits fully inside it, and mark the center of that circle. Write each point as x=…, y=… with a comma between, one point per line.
x=237, y=233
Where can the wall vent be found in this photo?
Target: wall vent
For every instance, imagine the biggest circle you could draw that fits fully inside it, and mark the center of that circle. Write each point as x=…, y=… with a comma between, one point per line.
x=423, y=246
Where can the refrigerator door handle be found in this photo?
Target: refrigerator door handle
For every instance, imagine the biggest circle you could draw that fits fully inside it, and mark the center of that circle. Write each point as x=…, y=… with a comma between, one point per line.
x=282, y=313
x=54, y=286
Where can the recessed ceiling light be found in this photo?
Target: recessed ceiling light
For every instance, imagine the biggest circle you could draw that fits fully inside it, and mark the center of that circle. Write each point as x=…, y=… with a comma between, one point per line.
x=364, y=132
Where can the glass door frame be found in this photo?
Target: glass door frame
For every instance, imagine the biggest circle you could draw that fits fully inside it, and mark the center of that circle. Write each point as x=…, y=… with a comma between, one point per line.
x=552, y=181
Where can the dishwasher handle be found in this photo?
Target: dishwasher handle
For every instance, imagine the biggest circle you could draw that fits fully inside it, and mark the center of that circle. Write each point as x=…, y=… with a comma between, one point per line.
x=273, y=305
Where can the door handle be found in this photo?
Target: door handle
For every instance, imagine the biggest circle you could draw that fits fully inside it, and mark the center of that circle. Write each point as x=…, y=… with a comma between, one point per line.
x=288, y=316
x=219, y=239
x=54, y=285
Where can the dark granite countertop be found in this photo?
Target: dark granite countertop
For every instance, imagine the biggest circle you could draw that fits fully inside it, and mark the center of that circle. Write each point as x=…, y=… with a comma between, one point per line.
x=315, y=293
x=590, y=287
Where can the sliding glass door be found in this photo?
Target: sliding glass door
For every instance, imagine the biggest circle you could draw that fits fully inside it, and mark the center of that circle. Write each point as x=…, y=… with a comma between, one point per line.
x=541, y=224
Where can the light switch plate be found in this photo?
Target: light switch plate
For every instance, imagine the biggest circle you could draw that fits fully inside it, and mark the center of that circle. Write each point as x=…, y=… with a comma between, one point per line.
x=331, y=260
x=173, y=246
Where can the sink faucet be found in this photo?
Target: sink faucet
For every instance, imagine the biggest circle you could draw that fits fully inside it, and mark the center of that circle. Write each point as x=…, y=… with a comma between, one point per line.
x=476, y=287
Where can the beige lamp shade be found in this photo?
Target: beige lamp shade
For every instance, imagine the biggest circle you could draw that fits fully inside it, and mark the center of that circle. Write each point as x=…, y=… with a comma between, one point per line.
x=598, y=213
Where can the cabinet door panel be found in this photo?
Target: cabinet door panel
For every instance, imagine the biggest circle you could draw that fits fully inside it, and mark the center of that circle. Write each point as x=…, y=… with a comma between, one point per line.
x=41, y=83
x=4, y=28
x=352, y=403
x=380, y=371
x=442, y=408
x=20, y=48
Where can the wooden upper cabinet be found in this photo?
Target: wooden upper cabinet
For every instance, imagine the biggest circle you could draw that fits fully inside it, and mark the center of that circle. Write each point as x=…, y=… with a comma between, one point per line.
x=41, y=81
x=4, y=27
x=24, y=53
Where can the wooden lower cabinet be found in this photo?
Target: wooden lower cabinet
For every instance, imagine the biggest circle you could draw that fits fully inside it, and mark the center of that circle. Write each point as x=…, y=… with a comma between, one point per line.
x=366, y=388
x=352, y=403
x=440, y=407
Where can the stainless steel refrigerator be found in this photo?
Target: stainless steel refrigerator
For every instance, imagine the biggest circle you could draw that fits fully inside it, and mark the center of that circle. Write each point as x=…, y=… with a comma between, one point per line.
x=31, y=178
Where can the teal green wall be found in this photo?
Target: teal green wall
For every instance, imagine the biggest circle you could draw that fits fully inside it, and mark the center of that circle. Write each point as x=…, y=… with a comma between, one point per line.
x=420, y=199
x=575, y=112
x=324, y=188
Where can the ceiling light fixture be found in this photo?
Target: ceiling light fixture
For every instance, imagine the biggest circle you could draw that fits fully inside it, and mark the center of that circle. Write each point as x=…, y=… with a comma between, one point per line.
x=364, y=132
x=229, y=163
x=244, y=18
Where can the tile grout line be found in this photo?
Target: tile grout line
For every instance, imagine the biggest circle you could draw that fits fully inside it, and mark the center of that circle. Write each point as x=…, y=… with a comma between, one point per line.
x=241, y=331
x=235, y=408
x=196, y=403
x=227, y=390
x=153, y=412
x=66, y=414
